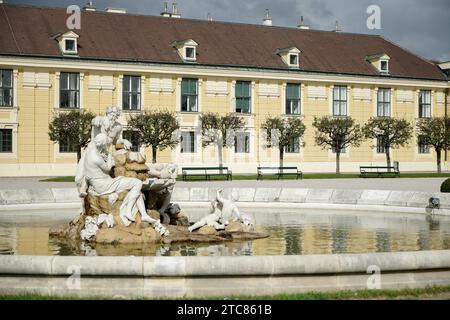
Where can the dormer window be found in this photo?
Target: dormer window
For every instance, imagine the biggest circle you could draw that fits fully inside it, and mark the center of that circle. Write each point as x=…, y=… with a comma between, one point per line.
x=290, y=56
x=293, y=60
x=68, y=42
x=187, y=49
x=384, y=66
x=70, y=45
x=189, y=53
x=380, y=61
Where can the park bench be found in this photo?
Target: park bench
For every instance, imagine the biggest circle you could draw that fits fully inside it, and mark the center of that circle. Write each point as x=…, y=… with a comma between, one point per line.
x=206, y=172
x=280, y=172
x=380, y=171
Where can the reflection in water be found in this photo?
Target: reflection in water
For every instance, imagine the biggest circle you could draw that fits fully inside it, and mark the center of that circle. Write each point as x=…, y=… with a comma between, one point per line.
x=292, y=233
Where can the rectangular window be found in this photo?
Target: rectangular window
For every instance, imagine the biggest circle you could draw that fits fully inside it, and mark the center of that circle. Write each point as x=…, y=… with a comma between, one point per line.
x=294, y=146
x=292, y=98
x=6, y=141
x=243, y=96
x=380, y=145
x=188, y=142
x=189, y=94
x=384, y=102
x=339, y=101
x=66, y=146
x=131, y=93
x=424, y=104
x=133, y=137
x=423, y=145
x=242, y=142
x=6, y=88
x=69, y=84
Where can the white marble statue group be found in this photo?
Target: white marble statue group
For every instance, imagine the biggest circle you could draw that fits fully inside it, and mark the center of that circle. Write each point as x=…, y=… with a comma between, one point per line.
x=93, y=171
x=93, y=177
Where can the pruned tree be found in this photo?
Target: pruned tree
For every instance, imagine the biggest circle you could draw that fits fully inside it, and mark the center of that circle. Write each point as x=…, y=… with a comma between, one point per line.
x=391, y=133
x=73, y=128
x=337, y=133
x=282, y=132
x=217, y=129
x=155, y=129
x=434, y=132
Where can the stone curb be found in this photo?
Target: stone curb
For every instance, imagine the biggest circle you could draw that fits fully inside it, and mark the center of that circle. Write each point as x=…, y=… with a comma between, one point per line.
x=277, y=195
x=224, y=266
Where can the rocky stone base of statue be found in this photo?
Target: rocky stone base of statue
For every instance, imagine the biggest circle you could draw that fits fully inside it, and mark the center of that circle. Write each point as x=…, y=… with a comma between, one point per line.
x=143, y=232
x=129, y=164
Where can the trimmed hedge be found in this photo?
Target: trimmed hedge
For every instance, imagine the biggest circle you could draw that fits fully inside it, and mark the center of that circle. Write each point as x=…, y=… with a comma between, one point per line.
x=445, y=186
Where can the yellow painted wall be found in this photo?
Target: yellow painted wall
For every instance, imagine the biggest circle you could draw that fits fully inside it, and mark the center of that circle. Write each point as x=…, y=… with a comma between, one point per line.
x=37, y=106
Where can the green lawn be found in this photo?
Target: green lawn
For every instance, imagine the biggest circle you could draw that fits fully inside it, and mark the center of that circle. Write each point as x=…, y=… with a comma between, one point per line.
x=305, y=176
x=436, y=292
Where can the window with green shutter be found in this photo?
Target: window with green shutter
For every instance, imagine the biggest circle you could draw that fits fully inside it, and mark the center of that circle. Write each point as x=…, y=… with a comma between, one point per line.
x=243, y=96
x=189, y=95
x=292, y=98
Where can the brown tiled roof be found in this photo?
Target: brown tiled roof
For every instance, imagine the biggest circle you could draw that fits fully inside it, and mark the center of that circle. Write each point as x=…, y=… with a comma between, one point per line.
x=30, y=30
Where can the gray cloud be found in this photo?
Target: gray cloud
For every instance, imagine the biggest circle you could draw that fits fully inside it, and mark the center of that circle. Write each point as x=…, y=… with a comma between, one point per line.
x=419, y=26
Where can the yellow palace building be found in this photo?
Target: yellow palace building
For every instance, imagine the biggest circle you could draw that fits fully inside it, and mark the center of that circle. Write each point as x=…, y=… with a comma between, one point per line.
x=189, y=66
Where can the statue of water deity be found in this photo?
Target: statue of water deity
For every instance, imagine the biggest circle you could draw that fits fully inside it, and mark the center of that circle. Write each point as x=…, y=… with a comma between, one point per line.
x=93, y=171
x=127, y=201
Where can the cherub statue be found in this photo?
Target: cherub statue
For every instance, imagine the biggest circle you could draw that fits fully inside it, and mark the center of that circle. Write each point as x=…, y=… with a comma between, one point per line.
x=213, y=220
x=230, y=210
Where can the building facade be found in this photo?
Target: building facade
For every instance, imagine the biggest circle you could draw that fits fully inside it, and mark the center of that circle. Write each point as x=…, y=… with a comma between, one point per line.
x=190, y=67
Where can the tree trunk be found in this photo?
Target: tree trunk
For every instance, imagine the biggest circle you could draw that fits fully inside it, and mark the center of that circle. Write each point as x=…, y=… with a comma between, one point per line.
x=438, y=159
x=220, y=155
x=78, y=155
x=388, y=158
x=338, y=161
x=154, y=151
x=281, y=159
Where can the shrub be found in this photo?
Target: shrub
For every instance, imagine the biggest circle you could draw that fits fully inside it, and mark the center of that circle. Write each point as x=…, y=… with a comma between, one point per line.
x=445, y=186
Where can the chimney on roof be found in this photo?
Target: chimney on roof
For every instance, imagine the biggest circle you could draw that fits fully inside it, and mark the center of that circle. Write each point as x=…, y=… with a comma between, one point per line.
x=116, y=10
x=336, y=27
x=267, y=21
x=175, y=13
x=302, y=24
x=165, y=13
x=89, y=7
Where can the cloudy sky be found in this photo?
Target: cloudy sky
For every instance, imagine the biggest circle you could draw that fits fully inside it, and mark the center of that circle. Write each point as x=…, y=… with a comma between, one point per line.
x=417, y=25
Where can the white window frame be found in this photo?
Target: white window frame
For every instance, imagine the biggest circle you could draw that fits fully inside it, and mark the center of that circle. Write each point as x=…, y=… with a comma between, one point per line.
x=387, y=65
x=297, y=58
x=430, y=104
x=296, y=151
x=141, y=85
x=194, y=51
x=246, y=150
x=426, y=147
x=194, y=141
x=14, y=128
